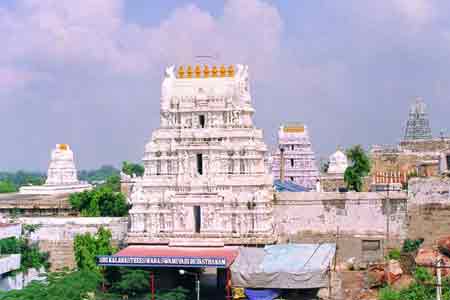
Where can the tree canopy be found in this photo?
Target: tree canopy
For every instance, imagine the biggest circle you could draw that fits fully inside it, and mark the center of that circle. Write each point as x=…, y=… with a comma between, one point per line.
x=358, y=169
x=132, y=169
x=102, y=201
x=98, y=175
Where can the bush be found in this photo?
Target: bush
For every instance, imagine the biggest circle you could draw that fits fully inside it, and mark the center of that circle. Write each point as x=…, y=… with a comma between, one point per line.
x=178, y=293
x=387, y=293
x=67, y=286
x=7, y=187
x=88, y=246
x=132, y=281
x=100, y=202
x=394, y=254
x=411, y=245
x=10, y=246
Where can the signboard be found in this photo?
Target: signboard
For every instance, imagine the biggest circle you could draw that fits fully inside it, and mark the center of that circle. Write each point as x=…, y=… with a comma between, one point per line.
x=160, y=261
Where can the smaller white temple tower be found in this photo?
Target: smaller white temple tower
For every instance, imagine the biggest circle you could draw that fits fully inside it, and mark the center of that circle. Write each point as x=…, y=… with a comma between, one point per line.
x=299, y=159
x=338, y=163
x=61, y=175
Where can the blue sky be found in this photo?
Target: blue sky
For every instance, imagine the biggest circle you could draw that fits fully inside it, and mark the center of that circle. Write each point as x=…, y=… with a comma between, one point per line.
x=88, y=73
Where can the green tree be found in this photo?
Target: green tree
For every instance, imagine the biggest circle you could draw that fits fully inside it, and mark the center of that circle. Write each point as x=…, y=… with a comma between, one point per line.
x=100, y=202
x=88, y=246
x=358, y=169
x=7, y=187
x=132, y=169
x=113, y=182
x=98, y=175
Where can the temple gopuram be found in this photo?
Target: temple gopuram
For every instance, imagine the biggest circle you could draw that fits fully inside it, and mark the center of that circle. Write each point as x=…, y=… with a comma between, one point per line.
x=205, y=181
x=299, y=158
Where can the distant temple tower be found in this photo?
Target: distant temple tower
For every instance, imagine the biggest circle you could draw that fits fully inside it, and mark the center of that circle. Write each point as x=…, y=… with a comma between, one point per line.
x=418, y=124
x=205, y=181
x=299, y=159
x=61, y=175
x=338, y=163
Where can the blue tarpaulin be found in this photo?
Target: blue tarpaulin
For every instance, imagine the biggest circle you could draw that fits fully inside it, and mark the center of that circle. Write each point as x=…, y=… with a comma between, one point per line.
x=288, y=186
x=296, y=266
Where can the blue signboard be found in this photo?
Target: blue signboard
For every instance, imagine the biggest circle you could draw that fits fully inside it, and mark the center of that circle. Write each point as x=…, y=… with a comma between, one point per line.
x=160, y=261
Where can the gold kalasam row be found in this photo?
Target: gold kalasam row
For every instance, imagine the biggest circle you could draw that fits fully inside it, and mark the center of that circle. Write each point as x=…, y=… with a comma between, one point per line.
x=198, y=72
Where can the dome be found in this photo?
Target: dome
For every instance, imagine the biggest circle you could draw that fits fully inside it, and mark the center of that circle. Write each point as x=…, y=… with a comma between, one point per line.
x=338, y=163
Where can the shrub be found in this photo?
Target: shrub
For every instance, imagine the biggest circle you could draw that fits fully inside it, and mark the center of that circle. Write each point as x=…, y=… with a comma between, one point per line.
x=394, y=254
x=88, y=246
x=100, y=202
x=411, y=245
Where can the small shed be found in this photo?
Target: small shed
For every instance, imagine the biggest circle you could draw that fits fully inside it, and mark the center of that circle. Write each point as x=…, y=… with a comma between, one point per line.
x=288, y=266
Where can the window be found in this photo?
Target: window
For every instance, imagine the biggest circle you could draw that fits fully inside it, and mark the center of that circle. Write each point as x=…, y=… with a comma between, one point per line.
x=292, y=147
x=242, y=166
x=292, y=162
x=200, y=163
x=292, y=178
x=201, y=120
x=158, y=167
x=197, y=218
x=371, y=245
x=448, y=162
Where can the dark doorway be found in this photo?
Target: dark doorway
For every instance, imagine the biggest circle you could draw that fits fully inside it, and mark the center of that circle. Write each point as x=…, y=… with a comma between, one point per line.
x=201, y=120
x=200, y=163
x=292, y=162
x=198, y=218
x=448, y=162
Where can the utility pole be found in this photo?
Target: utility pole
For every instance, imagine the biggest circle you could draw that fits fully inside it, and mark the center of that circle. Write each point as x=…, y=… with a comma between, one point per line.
x=438, y=278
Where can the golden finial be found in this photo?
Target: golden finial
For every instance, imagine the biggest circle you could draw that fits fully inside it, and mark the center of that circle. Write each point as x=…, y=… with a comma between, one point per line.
x=198, y=71
x=206, y=71
x=214, y=71
x=223, y=71
x=181, y=72
x=231, y=71
x=189, y=71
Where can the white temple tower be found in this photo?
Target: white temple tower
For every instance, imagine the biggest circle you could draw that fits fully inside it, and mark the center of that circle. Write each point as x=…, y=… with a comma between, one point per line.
x=205, y=181
x=61, y=175
x=299, y=158
x=338, y=163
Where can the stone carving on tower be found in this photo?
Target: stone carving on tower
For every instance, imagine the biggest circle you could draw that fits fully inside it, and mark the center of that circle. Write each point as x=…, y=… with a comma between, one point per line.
x=299, y=158
x=418, y=124
x=61, y=175
x=204, y=166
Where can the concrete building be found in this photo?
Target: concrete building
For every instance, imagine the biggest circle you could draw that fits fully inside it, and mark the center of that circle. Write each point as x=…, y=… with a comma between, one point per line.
x=61, y=175
x=205, y=181
x=299, y=158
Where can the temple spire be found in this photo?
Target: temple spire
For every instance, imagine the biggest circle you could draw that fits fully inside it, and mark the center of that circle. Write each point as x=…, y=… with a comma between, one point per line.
x=418, y=124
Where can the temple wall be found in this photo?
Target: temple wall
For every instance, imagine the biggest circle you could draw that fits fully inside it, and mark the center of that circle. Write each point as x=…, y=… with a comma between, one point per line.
x=56, y=235
x=360, y=218
x=429, y=209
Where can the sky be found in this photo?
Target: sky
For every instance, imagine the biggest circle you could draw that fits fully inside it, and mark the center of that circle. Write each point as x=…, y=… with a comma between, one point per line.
x=88, y=73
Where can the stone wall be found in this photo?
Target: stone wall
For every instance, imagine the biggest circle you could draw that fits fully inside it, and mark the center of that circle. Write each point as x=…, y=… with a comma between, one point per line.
x=429, y=209
x=362, y=220
x=15, y=204
x=56, y=234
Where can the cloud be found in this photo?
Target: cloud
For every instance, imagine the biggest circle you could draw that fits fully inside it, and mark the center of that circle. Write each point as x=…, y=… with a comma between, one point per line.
x=55, y=33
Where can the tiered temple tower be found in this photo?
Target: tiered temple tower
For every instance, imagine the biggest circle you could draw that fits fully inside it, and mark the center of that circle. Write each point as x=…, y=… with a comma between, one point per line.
x=61, y=175
x=299, y=159
x=205, y=181
x=418, y=124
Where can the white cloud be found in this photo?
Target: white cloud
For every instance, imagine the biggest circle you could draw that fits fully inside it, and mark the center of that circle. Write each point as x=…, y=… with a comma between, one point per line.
x=56, y=33
x=417, y=12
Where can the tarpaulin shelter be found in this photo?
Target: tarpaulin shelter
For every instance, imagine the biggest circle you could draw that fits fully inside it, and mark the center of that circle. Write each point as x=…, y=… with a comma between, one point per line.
x=289, y=266
x=288, y=186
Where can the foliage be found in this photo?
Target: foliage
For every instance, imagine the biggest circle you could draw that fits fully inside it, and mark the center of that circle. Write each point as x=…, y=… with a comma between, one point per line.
x=7, y=186
x=394, y=254
x=67, y=286
x=10, y=245
x=99, y=202
x=359, y=167
x=421, y=289
x=411, y=245
x=113, y=183
x=21, y=178
x=132, y=169
x=132, y=281
x=88, y=246
x=98, y=175
x=178, y=293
